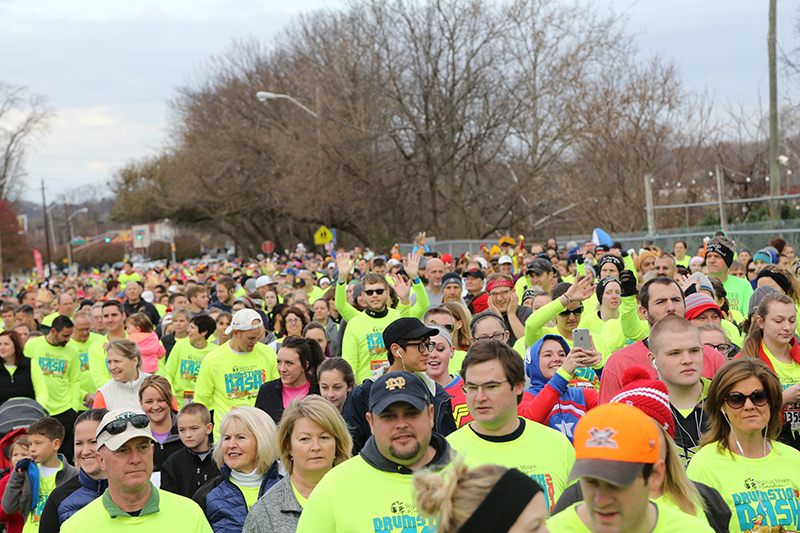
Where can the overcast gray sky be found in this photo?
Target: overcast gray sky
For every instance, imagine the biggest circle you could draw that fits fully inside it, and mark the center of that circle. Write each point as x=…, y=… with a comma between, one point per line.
x=109, y=67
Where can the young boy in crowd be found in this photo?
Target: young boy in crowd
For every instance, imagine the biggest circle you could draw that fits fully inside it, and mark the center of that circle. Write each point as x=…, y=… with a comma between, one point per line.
x=184, y=361
x=33, y=479
x=19, y=449
x=187, y=470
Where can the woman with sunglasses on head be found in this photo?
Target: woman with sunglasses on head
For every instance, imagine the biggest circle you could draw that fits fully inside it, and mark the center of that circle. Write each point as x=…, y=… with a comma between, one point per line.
x=567, y=308
x=771, y=339
x=757, y=476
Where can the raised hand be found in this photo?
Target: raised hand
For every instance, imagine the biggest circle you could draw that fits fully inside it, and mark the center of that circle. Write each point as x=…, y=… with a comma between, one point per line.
x=411, y=266
x=345, y=264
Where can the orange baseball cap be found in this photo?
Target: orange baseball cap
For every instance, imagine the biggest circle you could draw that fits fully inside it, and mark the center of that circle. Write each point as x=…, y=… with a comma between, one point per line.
x=613, y=442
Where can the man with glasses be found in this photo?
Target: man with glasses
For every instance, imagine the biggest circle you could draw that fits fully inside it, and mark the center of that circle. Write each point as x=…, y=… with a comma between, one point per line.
x=408, y=342
x=132, y=502
x=504, y=301
x=494, y=379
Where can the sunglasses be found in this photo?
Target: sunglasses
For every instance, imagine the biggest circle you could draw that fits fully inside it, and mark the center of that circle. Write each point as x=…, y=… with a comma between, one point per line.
x=577, y=311
x=115, y=427
x=449, y=327
x=736, y=400
x=370, y=292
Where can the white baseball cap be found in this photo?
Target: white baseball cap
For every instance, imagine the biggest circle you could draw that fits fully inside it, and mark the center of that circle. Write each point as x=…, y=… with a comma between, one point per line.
x=244, y=320
x=262, y=281
x=121, y=425
x=505, y=260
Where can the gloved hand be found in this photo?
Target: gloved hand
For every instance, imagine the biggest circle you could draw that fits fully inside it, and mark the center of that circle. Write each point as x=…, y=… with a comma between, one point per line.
x=627, y=282
x=22, y=464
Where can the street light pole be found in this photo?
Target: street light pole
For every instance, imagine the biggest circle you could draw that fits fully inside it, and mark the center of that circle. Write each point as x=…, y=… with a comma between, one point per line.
x=263, y=96
x=69, y=233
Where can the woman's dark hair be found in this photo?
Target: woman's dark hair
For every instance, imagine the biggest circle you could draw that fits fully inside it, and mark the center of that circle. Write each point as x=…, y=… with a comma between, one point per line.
x=296, y=311
x=340, y=364
x=19, y=354
x=310, y=353
x=92, y=415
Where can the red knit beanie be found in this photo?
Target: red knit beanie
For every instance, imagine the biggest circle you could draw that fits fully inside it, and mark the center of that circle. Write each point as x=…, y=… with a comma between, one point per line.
x=648, y=395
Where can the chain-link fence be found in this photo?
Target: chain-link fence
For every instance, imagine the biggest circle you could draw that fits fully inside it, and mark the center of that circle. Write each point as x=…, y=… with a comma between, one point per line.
x=752, y=235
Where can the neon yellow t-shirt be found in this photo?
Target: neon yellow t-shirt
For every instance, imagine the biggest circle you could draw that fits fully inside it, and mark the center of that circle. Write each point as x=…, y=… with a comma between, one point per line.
x=355, y=497
x=670, y=520
x=183, y=367
x=300, y=498
x=61, y=369
x=544, y=454
x=227, y=379
x=362, y=345
x=87, y=383
x=124, y=278
x=455, y=363
x=46, y=486
x=250, y=494
x=788, y=374
x=164, y=511
x=741, y=485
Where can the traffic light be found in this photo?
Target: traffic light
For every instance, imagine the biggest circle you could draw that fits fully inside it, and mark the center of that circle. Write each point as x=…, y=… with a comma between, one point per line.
x=139, y=234
x=108, y=240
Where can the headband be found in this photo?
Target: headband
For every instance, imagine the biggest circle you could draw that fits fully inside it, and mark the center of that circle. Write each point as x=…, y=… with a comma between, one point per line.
x=499, y=283
x=506, y=501
x=721, y=249
x=779, y=278
x=601, y=287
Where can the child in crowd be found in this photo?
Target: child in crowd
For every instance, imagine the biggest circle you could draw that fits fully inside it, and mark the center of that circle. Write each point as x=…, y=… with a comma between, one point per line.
x=187, y=470
x=140, y=331
x=33, y=479
x=19, y=449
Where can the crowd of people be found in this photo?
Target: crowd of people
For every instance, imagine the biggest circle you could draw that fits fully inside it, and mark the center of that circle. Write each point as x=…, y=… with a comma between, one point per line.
x=577, y=387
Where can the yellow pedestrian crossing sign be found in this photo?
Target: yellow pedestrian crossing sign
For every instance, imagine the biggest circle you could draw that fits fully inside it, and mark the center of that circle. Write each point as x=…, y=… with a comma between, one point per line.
x=323, y=236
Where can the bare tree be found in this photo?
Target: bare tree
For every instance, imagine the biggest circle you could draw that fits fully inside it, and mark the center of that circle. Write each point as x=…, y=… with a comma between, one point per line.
x=24, y=117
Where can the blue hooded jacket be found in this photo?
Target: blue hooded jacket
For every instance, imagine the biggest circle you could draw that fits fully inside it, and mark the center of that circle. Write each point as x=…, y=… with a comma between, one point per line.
x=572, y=402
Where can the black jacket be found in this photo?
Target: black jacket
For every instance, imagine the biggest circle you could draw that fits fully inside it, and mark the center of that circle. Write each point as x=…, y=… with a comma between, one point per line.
x=357, y=405
x=143, y=307
x=171, y=445
x=718, y=514
x=184, y=473
x=270, y=399
x=19, y=385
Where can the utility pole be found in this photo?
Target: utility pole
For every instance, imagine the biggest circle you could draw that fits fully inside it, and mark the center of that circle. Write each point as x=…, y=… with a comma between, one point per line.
x=774, y=172
x=723, y=215
x=46, y=227
x=69, y=240
x=648, y=195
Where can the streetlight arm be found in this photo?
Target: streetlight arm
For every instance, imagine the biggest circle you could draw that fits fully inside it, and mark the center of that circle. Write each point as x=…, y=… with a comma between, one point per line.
x=78, y=212
x=263, y=96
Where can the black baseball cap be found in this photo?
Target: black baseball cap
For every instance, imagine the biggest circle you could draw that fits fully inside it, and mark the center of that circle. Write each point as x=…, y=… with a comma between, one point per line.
x=406, y=329
x=540, y=266
x=475, y=273
x=400, y=386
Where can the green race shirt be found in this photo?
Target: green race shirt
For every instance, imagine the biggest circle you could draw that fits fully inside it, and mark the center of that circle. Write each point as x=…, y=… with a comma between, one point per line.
x=87, y=383
x=544, y=454
x=46, y=486
x=250, y=494
x=227, y=379
x=362, y=346
x=354, y=497
x=739, y=291
x=754, y=501
x=670, y=520
x=125, y=278
x=164, y=511
x=183, y=367
x=788, y=374
x=60, y=367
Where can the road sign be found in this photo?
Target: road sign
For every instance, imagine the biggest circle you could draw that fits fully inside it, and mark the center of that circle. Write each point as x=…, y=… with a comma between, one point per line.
x=323, y=236
x=268, y=247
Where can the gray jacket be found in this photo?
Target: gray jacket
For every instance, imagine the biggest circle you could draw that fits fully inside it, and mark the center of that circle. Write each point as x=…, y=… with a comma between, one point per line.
x=277, y=511
x=19, y=492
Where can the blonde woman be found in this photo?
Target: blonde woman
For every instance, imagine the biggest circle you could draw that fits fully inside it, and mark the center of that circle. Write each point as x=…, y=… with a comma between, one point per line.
x=313, y=439
x=247, y=455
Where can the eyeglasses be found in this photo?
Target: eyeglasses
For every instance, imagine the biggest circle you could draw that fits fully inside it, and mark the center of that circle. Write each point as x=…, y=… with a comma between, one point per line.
x=449, y=327
x=736, y=400
x=115, y=427
x=370, y=292
x=721, y=348
x=293, y=321
x=490, y=387
x=577, y=311
x=500, y=293
x=423, y=346
x=496, y=337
